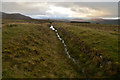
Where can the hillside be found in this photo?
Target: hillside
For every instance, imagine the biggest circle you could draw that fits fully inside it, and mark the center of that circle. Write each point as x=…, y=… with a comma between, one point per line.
x=110, y=22
x=94, y=46
x=14, y=16
x=33, y=51
x=98, y=21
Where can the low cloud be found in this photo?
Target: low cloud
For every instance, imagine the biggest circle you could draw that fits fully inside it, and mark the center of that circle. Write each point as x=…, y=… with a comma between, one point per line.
x=62, y=10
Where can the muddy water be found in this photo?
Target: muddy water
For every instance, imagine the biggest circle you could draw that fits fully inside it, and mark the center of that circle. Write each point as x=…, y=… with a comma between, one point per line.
x=65, y=47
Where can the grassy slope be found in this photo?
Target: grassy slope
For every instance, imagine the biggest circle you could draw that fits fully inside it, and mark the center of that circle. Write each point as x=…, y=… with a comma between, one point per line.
x=33, y=50
x=87, y=41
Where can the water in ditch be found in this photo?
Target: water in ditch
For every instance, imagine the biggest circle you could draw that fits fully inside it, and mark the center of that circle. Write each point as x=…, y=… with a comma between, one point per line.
x=63, y=42
x=66, y=50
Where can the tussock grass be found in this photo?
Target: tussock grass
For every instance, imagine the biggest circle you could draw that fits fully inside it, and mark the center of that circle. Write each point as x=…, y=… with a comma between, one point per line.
x=33, y=51
x=87, y=42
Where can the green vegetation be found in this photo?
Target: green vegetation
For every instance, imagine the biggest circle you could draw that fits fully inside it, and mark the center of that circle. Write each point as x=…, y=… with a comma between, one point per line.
x=88, y=42
x=33, y=51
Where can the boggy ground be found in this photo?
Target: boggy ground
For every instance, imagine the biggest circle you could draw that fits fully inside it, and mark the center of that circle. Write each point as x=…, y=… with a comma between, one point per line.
x=32, y=50
x=94, y=46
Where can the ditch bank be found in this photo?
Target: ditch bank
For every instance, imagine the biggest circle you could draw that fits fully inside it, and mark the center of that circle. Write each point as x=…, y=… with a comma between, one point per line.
x=67, y=52
x=91, y=62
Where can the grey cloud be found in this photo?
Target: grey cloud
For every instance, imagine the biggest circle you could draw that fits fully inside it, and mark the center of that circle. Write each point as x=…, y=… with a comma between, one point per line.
x=60, y=0
x=25, y=8
x=111, y=7
x=31, y=8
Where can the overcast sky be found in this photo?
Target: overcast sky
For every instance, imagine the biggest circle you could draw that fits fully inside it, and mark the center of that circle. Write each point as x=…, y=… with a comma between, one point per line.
x=63, y=10
x=60, y=0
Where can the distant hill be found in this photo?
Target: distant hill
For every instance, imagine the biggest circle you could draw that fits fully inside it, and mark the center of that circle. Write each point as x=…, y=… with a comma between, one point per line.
x=14, y=16
x=104, y=21
x=100, y=21
x=111, y=22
